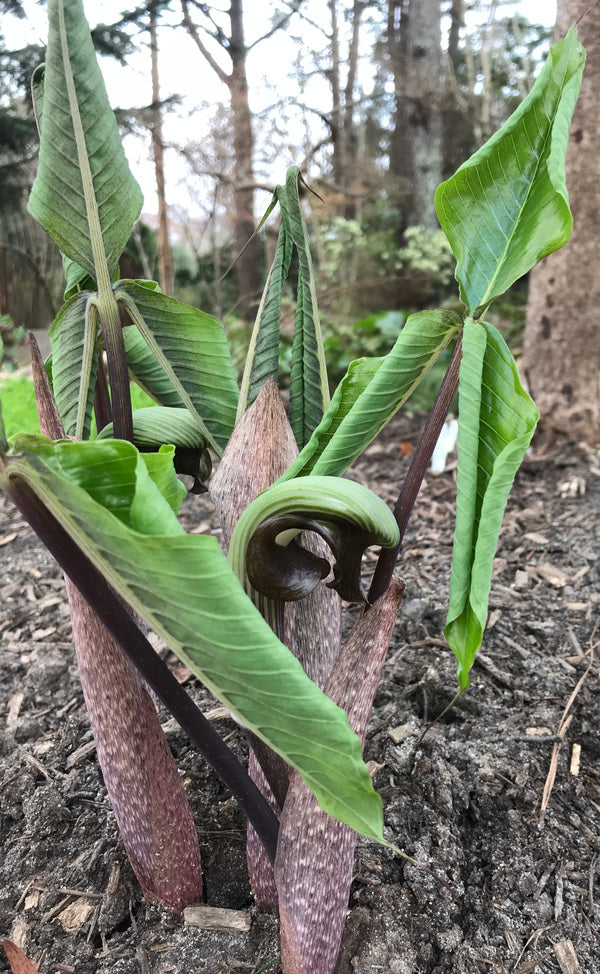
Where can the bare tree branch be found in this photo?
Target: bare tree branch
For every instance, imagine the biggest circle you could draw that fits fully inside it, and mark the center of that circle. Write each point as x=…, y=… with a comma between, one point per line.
x=219, y=36
x=190, y=26
x=294, y=8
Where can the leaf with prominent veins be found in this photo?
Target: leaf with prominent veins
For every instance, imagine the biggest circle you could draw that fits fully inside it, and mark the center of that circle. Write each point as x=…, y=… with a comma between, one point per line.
x=508, y=206
x=497, y=419
x=190, y=363
x=309, y=389
x=75, y=356
x=184, y=588
x=371, y=392
x=84, y=194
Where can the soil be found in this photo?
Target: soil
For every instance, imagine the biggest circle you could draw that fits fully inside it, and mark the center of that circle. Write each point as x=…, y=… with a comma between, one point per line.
x=523, y=892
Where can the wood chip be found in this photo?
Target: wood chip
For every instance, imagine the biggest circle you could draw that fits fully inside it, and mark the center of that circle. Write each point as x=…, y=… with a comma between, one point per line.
x=113, y=880
x=214, y=918
x=181, y=673
x=522, y=579
x=218, y=713
x=551, y=574
x=563, y=727
x=536, y=538
x=33, y=761
x=579, y=574
x=572, y=488
x=493, y=618
x=14, y=707
x=400, y=733
x=566, y=957
x=575, y=759
x=80, y=754
x=73, y=917
x=39, y=634
x=32, y=899
x=7, y=538
x=19, y=931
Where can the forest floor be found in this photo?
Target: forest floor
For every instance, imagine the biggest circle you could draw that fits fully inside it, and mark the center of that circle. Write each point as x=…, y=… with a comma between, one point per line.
x=523, y=890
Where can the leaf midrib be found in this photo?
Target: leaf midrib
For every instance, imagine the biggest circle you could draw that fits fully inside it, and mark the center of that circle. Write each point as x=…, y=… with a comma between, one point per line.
x=87, y=181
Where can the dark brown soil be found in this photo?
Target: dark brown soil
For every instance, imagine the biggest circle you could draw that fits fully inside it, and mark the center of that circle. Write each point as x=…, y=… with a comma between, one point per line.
x=524, y=892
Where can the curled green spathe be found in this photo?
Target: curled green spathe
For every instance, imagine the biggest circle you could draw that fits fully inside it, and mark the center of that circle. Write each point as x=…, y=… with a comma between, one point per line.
x=265, y=552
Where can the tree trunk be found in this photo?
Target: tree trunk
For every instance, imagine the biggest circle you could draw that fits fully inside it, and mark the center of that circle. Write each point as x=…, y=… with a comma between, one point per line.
x=247, y=265
x=336, y=126
x=416, y=156
x=350, y=135
x=165, y=260
x=562, y=334
x=248, y=272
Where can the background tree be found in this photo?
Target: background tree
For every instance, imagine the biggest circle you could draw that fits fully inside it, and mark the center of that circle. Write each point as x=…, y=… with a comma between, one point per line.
x=562, y=334
x=341, y=72
x=165, y=259
x=414, y=40
x=208, y=29
x=29, y=269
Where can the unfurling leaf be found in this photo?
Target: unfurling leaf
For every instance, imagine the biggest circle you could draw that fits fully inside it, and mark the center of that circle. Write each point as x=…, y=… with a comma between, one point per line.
x=309, y=390
x=154, y=426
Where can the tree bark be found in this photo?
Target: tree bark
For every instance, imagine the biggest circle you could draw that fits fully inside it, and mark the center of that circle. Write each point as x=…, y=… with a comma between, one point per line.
x=562, y=333
x=248, y=271
x=247, y=266
x=165, y=259
x=414, y=36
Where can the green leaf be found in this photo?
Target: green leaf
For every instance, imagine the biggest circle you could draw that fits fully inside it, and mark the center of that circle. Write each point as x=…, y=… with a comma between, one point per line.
x=507, y=207
x=84, y=194
x=155, y=425
x=497, y=419
x=191, y=350
x=262, y=360
x=145, y=371
x=371, y=392
x=73, y=336
x=309, y=388
x=161, y=470
x=76, y=278
x=309, y=391
x=184, y=588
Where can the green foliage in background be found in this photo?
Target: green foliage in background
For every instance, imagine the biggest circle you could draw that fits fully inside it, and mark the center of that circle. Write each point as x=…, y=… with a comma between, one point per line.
x=19, y=409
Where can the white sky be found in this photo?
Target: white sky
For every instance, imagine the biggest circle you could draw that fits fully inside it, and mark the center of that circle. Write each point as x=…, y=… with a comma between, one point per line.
x=183, y=72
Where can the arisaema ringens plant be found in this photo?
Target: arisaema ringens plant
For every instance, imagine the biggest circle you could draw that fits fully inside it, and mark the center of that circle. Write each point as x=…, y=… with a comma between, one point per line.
x=259, y=623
